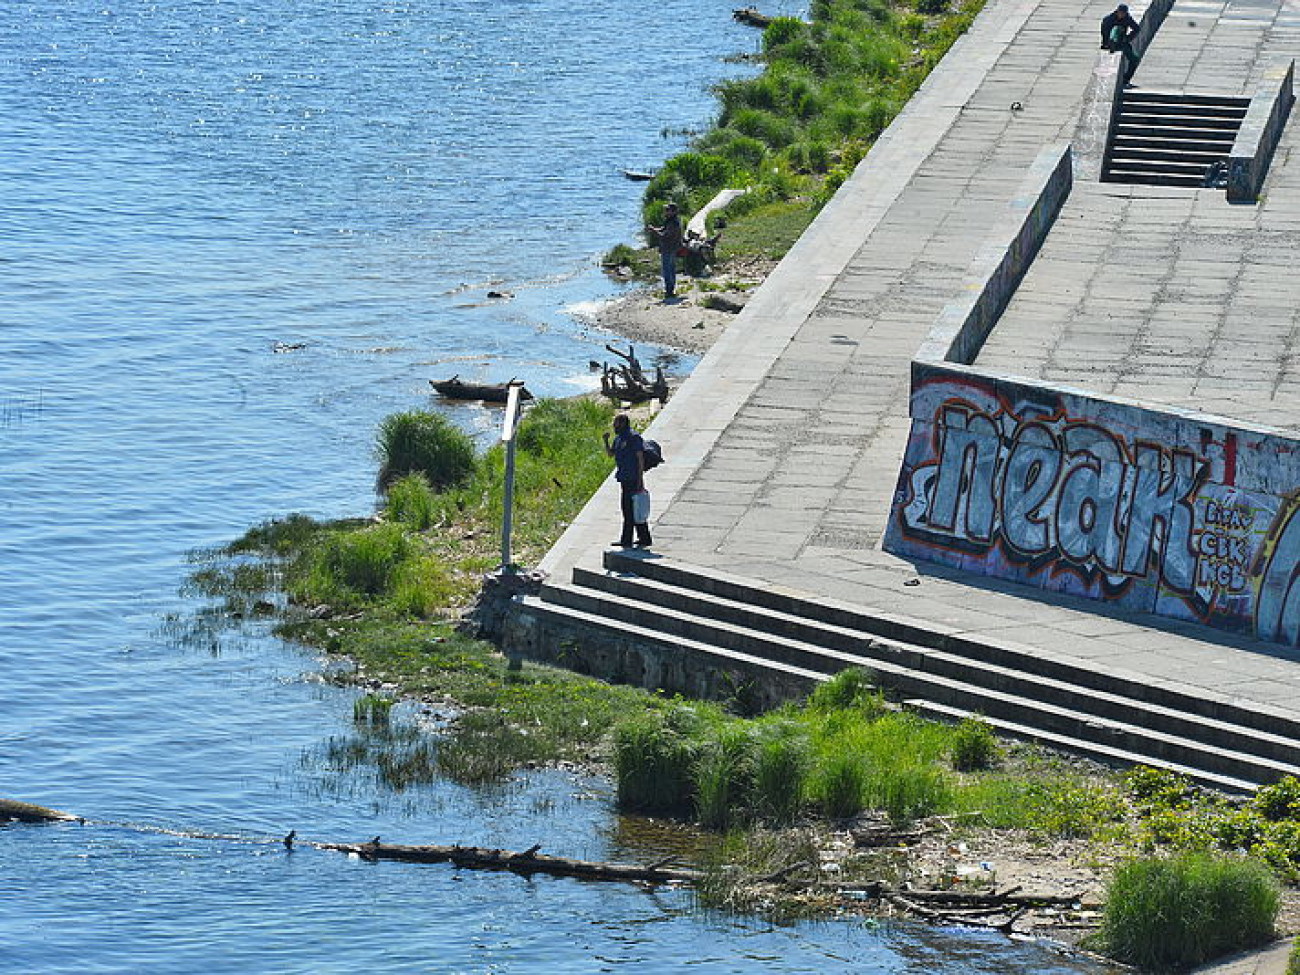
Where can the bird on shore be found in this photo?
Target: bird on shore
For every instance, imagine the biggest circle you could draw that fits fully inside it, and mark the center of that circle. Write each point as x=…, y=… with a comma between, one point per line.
x=289, y=837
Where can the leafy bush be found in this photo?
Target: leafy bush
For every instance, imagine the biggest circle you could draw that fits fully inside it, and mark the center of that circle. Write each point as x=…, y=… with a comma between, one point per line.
x=1279, y=801
x=974, y=746
x=1182, y=911
x=423, y=443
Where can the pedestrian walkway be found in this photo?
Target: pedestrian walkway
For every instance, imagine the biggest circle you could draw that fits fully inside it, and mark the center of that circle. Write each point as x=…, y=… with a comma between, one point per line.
x=783, y=449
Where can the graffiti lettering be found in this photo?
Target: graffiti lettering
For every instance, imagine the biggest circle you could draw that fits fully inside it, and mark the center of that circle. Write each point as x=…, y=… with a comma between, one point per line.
x=1052, y=489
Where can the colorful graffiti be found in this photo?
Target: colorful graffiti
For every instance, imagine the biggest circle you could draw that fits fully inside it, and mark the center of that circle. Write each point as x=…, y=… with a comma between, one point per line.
x=1153, y=511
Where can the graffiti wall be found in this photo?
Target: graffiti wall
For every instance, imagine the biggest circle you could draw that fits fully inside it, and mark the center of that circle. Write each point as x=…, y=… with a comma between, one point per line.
x=1152, y=510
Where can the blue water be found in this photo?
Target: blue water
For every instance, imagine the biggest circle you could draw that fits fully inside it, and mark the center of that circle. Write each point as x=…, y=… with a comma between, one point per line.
x=233, y=236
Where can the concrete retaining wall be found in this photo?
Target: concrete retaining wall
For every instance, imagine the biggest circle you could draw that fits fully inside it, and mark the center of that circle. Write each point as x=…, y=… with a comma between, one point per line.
x=1156, y=509
x=1162, y=511
x=1252, y=150
x=535, y=633
x=1014, y=241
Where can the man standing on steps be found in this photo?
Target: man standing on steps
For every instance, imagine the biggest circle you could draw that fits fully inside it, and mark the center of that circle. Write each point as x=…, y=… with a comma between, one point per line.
x=1118, y=29
x=628, y=451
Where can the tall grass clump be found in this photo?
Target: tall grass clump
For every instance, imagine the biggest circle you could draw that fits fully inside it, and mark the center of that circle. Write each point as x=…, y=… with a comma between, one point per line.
x=411, y=502
x=372, y=711
x=850, y=688
x=839, y=784
x=974, y=746
x=1182, y=911
x=419, y=442
x=782, y=760
x=654, y=764
x=724, y=771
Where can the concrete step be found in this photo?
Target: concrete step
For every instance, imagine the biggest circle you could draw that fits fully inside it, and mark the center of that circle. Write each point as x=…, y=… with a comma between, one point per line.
x=1109, y=697
x=713, y=642
x=1155, y=179
x=1180, y=120
x=1190, y=99
x=1103, y=753
x=827, y=649
x=687, y=667
x=921, y=633
x=1177, y=135
x=1158, y=152
x=1124, y=163
x=1060, y=709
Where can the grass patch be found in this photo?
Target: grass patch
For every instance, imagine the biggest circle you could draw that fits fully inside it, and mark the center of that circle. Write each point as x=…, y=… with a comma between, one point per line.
x=1180, y=911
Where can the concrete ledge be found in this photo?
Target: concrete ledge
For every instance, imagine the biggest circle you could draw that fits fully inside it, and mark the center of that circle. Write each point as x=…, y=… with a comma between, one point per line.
x=1260, y=131
x=965, y=324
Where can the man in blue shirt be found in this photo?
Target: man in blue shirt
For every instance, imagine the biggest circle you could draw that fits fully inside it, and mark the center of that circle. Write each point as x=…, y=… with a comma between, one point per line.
x=628, y=451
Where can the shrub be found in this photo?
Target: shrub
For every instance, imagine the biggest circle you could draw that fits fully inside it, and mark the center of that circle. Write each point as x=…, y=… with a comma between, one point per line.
x=974, y=746
x=423, y=443
x=1182, y=911
x=1279, y=801
x=1159, y=787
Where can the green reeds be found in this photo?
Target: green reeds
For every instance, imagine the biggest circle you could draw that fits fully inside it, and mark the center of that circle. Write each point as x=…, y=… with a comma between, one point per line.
x=1179, y=912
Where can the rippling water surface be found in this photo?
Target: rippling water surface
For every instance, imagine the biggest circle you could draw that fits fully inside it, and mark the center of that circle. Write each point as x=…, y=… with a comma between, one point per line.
x=233, y=236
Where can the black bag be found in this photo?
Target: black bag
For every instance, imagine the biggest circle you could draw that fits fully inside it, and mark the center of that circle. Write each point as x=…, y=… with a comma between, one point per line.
x=652, y=454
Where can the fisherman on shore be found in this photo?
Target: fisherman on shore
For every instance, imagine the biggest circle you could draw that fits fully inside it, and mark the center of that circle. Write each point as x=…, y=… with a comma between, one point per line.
x=670, y=242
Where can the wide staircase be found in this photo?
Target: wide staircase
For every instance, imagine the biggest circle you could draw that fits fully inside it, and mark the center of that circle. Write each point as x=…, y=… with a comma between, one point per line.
x=703, y=620
x=1172, y=139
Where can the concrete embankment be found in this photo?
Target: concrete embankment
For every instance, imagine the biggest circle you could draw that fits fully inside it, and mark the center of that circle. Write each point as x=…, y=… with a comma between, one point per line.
x=785, y=447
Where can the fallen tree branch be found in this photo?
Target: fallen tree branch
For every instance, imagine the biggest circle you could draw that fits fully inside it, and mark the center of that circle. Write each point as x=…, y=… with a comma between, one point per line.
x=527, y=862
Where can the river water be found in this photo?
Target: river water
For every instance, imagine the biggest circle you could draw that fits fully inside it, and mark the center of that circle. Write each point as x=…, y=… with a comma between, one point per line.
x=233, y=236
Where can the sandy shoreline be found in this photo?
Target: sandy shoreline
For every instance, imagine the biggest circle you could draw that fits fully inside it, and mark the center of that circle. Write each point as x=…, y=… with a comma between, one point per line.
x=686, y=324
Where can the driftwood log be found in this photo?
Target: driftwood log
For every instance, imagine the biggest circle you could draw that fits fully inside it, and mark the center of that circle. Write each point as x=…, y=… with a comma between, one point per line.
x=525, y=862
x=629, y=382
